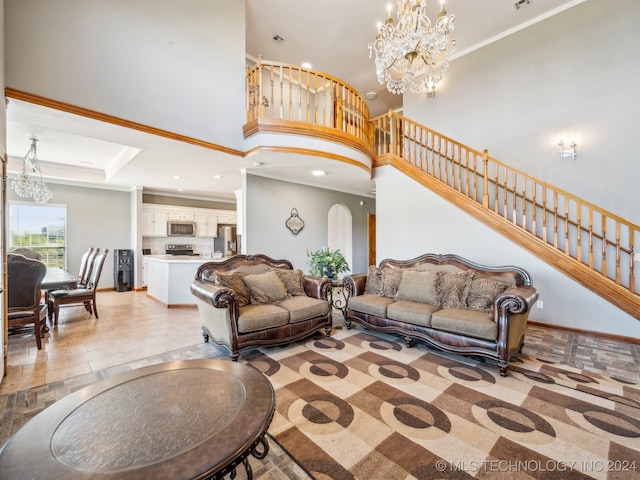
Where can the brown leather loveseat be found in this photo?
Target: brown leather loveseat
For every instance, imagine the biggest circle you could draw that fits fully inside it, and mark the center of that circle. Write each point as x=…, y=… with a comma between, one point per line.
x=448, y=302
x=253, y=300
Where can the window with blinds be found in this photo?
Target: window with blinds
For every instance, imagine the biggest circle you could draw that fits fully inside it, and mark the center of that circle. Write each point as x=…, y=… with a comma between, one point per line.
x=41, y=228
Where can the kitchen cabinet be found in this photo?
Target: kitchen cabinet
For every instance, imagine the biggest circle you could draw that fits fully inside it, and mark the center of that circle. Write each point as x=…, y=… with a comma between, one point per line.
x=206, y=225
x=155, y=217
x=181, y=215
x=145, y=266
x=154, y=222
x=227, y=218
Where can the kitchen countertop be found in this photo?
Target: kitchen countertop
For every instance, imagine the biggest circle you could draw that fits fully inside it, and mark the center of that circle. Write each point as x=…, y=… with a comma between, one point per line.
x=181, y=258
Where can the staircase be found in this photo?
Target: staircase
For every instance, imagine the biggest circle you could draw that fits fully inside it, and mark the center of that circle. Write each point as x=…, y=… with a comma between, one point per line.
x=588, y=244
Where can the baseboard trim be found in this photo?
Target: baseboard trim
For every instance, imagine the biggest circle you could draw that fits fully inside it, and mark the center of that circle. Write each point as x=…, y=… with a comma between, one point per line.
x=607, y=336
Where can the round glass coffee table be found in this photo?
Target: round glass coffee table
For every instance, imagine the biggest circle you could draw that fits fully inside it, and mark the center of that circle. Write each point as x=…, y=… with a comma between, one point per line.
x=182, y=419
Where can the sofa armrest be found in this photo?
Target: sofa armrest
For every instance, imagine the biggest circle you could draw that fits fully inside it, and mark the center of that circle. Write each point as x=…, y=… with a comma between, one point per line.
x=215, y=295
x=355, y=284
x=511, y=312
x=317, y=287
x=516, y=299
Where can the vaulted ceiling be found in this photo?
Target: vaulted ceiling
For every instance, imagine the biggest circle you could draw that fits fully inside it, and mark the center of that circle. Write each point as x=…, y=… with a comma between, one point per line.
x=332, y=36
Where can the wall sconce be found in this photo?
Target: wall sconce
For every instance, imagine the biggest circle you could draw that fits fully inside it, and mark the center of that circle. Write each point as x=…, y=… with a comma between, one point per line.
x=569, y=152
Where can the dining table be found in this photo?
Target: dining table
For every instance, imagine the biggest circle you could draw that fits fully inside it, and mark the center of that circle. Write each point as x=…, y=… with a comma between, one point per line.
x=58, y=278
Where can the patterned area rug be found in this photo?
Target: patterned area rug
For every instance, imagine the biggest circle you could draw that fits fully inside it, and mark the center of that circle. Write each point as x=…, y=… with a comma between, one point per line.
x=359, y=405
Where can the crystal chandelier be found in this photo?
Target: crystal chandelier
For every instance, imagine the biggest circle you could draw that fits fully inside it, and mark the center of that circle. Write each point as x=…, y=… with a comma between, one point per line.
x=412, y=53
x=29, y=182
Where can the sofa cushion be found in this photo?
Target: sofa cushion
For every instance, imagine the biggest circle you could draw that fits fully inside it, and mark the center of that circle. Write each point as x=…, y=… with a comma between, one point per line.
x=265, y=288
x=253, y=269
x=415, y=313
x=371, y=304
x=292, y=280
x=452, y=289
x=303, y=308
x=471, y=323
x=434, y=267
x=260, y=317
x=233, y=280
x=390, y=282
x=374, y=281
x=483, y=291
x=418, y=287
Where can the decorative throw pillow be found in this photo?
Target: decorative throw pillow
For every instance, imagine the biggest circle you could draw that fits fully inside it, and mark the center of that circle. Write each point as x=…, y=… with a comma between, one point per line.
x=374, y=281
x=390, y=282
x=418, y=287
x=452, y=289
x=482, y=292
x=292, y=280
x=233, y=280
x=265, y=287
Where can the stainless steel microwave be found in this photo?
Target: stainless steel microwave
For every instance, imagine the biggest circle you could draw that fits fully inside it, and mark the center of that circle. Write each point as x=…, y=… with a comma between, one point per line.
x=181, y=229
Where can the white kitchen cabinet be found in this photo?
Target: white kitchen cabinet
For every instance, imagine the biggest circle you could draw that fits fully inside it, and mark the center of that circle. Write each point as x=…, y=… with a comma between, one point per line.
x=154, y=222
x=206, y=225
x=227, y=218
x=181, y=215
x=145, y=266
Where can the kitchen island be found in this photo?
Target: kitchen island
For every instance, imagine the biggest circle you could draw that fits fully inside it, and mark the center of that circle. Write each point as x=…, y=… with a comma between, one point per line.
x=169, y=278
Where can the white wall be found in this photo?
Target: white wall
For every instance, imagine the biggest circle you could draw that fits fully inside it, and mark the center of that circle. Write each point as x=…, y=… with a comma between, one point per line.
x=435, y=226
x=167, y=64
x=575, y=76
x=95, y=218
x=3, y=150
x=268, y=205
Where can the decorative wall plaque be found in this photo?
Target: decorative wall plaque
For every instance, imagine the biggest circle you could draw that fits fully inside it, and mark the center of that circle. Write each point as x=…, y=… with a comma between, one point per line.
x=294, y=222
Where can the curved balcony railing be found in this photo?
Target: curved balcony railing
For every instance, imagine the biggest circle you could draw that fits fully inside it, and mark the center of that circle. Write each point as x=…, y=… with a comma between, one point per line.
x=279, y=92
x=600, y=240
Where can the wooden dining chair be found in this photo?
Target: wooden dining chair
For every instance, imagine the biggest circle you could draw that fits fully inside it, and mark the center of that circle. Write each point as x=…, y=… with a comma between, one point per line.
x=24, y=277
x=86, y=266
x=79, y=296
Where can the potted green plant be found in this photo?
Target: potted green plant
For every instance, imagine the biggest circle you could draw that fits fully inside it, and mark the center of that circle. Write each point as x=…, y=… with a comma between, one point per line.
x=327, y=263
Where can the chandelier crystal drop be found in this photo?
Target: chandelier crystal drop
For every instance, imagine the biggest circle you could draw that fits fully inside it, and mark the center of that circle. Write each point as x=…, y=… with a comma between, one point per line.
x=411, y=52
x=29, y=182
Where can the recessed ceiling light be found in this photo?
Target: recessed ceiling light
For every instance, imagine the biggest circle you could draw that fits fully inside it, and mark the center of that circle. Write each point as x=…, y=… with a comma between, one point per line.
x=217, y=177
x=258, y=164
x=177, y=177
x=181, y=189
x=306, y=65
x=318, y=173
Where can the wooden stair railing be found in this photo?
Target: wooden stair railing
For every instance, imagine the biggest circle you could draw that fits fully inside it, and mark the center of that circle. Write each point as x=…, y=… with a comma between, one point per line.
x=587, y=243
x=291, y=99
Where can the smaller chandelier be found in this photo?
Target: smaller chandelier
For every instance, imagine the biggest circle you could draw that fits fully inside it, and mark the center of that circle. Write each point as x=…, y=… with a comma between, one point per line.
x=412, y=53
x=29, y=182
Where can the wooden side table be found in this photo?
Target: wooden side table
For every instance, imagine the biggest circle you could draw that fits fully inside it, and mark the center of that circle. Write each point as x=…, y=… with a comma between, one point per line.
x=338, y=297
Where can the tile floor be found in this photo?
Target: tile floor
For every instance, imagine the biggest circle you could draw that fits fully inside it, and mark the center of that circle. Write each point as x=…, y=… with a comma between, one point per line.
x=133, y=326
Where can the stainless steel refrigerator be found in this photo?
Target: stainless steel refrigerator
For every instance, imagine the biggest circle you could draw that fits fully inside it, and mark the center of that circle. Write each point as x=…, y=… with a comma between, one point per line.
x=226, y=241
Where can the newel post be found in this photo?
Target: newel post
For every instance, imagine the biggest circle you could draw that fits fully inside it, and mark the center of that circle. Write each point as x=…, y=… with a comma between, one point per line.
x=485, y=195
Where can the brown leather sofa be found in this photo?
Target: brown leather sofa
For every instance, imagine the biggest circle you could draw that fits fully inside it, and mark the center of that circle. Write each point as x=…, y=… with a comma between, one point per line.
x=447, y=301
x=253, y=300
